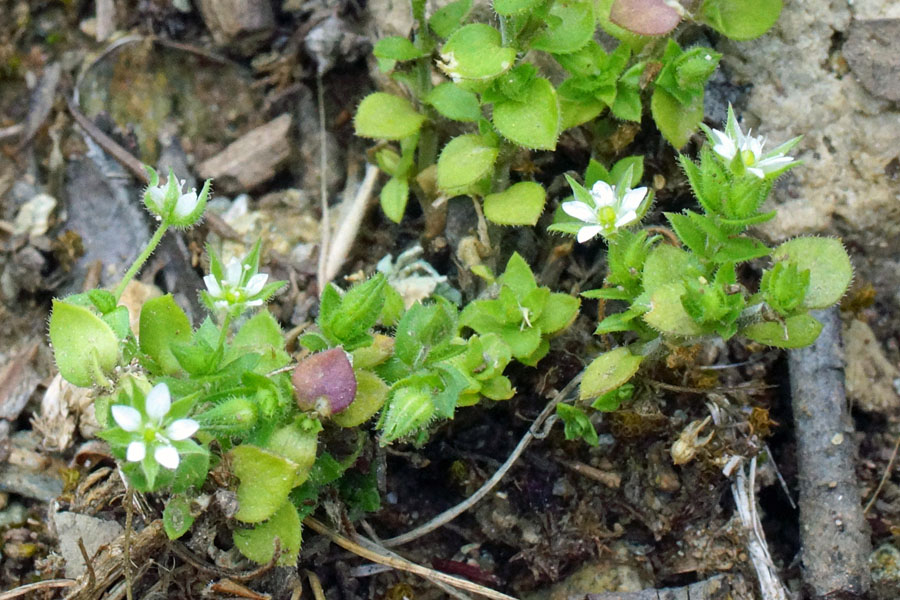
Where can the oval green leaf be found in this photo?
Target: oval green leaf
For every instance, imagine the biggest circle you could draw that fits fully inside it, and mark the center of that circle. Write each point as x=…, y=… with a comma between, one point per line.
x=519, y=204
x=475, y=51
x=607, y=372
x=82, y=344
x=387, y=117
x=741, y=19
x=533, y=122
x=513, y=7
x=464, y=160
x=455, y=103
x=396, y=48
x=796, y=332
x=676, y=121
x=266, y=480
x=394, y=196
x=161, y=323
x=570, y=30
x=667, y=314
x=258, y=543
x=830, y=271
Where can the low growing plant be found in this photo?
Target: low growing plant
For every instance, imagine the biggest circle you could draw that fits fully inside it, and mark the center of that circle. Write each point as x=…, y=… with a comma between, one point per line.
x=475, y=95
x=677, y=291
x=177, y=402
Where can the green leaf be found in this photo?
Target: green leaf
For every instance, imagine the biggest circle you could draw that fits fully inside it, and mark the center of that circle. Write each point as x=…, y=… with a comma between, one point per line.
x=388, y=117
x=177, y=517
x=558, y=313
x=607, y=372
x=741, y=19
x=103, y=300
x=84, y=346
x=394, y=196
x=635, y=163
x=740, y=249
x=663, y=265
x=455, y=103
x=476, y=51
x=518, y=276
x=396, y=48
x=690, y=234
x=194, y=463
x=795, y=332
x=597, y=172
x=522, y=342
x=830, y=271
x=533, y=122
x=358, y=312
x=675, y=120
x=667, y=313
x=266, y=480
x=119, y=321
x=520, y=204
x=613, y=399
x=512, y=7
x=464, y=160
x=260, y=334
x=448, y=18
x=570, y=30
x=258, y=543
x=577, y=424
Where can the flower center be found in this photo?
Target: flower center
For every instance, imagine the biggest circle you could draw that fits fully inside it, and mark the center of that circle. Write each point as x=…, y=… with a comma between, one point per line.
x=748, y=157
x=606, y=216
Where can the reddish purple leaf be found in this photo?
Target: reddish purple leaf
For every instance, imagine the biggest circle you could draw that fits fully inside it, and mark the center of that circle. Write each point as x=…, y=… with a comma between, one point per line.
x=645, y=17
x=325, y=382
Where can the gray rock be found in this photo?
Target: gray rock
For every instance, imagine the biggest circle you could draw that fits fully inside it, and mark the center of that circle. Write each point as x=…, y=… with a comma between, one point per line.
x=94, y=533
x=871, y=49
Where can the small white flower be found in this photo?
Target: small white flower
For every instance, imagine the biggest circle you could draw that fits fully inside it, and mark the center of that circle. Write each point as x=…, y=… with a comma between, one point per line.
x=746, y=151
x=171, y=203
x=238, y=287
x=612, y=210
x=153, y=430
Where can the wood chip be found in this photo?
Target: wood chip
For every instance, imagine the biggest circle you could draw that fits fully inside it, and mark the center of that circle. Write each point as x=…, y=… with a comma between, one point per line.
x=252, y=159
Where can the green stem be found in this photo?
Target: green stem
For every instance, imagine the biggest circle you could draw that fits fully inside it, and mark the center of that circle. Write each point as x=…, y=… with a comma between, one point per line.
x=224, y=333
x=139, y=262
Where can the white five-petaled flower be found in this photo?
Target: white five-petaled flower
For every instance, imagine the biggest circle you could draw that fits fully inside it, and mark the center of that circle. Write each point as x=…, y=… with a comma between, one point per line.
x=612, y=210
x=153, y=430
x=745, y=150
x=237, y=287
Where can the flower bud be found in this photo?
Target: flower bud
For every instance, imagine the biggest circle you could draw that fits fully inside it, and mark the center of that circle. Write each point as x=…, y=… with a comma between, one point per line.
x=325, y=382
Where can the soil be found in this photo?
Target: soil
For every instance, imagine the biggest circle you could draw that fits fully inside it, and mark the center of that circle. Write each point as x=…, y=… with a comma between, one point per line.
x=568, y=519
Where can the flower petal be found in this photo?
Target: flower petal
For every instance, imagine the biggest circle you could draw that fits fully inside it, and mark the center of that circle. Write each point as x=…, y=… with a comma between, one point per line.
x=774, y=163
x=182, y=429
x=233, y=272
x=603, y=194
x=723, y=145
x=126, y=417
x=186, y=204
x=136, y=452
x=167, y=456
x=756, y=171
x=580, y=211
x=256, y=284
x=633, y=199
x=588, y=232
x=157, y=196
x=626, y=219
x=158, y=402
x=212, y=286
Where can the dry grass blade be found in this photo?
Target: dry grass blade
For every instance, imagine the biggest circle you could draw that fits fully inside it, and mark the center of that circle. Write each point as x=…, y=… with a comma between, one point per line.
x=401, y=563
